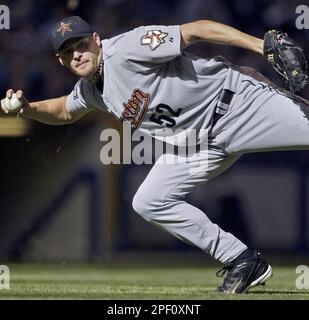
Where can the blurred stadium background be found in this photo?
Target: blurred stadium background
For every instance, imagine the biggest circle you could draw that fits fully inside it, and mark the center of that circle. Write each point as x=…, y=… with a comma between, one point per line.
x=60, y=203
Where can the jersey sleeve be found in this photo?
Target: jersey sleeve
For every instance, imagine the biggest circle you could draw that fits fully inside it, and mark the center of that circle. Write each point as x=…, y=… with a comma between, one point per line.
x=76, y=101
x=153, y=44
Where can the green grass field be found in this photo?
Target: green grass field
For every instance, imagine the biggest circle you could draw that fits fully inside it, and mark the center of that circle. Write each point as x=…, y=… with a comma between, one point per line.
x=99, y=281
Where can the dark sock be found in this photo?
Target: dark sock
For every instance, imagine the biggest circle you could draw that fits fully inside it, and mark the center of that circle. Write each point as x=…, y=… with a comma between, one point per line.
x=245, y=255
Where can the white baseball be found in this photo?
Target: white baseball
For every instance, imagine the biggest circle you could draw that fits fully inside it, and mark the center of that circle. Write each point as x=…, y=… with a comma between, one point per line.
x=14, y=104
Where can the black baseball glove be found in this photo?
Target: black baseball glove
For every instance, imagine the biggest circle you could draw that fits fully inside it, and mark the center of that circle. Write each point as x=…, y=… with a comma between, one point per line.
x=287, y=58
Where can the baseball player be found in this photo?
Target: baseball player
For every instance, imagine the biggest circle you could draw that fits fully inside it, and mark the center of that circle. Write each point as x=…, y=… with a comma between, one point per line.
x=146, y=78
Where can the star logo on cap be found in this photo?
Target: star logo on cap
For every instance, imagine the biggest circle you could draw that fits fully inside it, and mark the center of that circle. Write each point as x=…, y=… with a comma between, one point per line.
x=64, y=27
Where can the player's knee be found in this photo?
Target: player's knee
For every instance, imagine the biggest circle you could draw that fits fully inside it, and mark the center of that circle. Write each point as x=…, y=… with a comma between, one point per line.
x=145, y=203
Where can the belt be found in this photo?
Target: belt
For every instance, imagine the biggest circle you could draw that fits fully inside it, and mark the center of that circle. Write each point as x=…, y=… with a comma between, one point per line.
x=223, y=105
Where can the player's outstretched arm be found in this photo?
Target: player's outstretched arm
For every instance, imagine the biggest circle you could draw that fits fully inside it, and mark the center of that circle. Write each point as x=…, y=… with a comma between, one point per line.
x=219, y=33
x=51, y=111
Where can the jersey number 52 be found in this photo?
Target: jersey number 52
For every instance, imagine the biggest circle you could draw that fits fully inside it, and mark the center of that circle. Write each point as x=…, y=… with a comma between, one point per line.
x=160, y=118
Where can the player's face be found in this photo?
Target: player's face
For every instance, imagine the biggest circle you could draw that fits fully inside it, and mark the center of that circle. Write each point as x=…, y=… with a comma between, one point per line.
x=82, y=56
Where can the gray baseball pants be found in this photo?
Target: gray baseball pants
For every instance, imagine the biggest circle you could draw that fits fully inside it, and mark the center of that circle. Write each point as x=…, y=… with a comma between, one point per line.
x=259, y=118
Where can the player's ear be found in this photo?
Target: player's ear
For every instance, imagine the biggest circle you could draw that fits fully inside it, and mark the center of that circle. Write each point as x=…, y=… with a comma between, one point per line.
x=60, y=60
x=96, y=38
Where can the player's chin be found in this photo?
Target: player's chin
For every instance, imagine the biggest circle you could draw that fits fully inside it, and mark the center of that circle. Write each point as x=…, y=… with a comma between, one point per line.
x=84, y=73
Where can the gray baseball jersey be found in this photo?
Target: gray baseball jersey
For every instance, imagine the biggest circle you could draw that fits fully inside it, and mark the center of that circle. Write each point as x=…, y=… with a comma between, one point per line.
x=151, y=83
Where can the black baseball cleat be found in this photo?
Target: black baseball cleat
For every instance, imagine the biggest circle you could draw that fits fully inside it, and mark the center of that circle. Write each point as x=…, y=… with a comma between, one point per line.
x=244, y=274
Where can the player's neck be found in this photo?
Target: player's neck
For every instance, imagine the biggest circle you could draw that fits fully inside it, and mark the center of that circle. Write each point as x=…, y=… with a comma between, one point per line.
x=99, y=71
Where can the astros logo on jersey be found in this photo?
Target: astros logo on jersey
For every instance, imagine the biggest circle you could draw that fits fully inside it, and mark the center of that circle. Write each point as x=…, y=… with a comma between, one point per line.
x=136, y=108
x=64, y=27
x=154, y=38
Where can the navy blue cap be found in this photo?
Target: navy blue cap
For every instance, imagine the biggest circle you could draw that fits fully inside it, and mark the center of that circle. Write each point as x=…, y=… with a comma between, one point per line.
x=68, y=28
